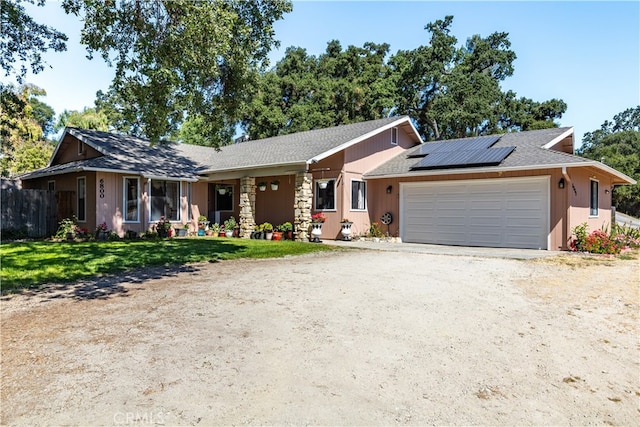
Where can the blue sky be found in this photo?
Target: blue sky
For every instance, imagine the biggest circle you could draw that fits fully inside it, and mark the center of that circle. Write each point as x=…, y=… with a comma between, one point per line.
x=586, y=53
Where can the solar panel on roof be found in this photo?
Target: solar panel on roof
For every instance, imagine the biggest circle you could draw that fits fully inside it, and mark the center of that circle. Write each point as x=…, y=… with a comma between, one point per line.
x=477, y=143
x=493, y=155
x=464, y=158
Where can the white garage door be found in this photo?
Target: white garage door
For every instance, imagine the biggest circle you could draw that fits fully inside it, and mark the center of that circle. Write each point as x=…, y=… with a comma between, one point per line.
x=503, y=213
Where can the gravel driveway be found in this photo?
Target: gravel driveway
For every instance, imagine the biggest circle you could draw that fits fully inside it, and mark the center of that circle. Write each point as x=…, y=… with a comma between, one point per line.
x=346, y=338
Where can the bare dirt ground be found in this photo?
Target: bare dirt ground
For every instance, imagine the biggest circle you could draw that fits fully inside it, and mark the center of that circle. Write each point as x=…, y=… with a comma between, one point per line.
x=346, y=338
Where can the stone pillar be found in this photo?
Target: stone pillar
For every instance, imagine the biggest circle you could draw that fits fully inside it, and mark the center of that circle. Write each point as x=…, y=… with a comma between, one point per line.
x=302, y=206
x=247, y=220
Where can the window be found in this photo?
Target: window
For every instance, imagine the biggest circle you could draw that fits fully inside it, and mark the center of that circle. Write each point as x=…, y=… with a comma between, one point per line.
x=164, y=200
x=131, y=199
x=394, y=136
x=51, y=186
x=325, y=198
x=593, y=199
x=358, y=195
x=80, y=147
x=224, y=202
x=82, y=199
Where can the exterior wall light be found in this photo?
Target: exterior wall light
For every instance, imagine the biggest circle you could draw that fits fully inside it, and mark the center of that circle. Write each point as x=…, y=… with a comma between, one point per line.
x=561, y=183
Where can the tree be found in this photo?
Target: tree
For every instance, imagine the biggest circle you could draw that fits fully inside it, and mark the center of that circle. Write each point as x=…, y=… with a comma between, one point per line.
x=448, y=91
x=179, y=58
x=453, y=92
x=305, y=92
x=617, y=144
x=88, y=118
x=522, y=114
x=24, y=40
x=24, y=147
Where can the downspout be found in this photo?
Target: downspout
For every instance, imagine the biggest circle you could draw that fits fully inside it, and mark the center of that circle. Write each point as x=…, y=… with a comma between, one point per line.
x=567, y=196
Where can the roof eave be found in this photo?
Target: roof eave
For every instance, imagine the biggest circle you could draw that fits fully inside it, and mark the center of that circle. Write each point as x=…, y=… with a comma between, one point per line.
x=55, y=150
x=301, y=164
x=105, y=170
x=554, y=141
x=78, y=136
x=361, y=138
x=624, y=179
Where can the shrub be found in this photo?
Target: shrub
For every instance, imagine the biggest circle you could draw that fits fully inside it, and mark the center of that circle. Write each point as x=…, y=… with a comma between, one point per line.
x=626, y=236
x=601, y=242
x=67, y=226
x=374, y=230
x=14, y=233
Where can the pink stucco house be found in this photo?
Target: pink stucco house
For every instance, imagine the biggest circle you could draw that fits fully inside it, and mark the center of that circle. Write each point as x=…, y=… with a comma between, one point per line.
x=523, y=190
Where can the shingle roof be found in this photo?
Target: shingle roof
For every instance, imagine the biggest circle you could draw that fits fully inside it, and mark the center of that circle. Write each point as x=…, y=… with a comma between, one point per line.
x=125, y=153
x=529, y=153
x=294, y=148
x=184, y=161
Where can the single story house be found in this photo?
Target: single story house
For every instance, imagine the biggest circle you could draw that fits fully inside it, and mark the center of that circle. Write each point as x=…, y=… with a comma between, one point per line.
x=523, y=190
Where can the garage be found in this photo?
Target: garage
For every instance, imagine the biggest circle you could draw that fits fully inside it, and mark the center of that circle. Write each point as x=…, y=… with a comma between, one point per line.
x=507, y=213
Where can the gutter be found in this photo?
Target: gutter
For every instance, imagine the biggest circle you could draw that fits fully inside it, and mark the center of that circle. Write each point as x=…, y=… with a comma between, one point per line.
x=123, y=172
x=253, y=167
x=624, y=179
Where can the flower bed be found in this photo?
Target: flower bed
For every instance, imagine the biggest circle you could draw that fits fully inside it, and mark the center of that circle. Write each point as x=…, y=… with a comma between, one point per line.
x=602, y=242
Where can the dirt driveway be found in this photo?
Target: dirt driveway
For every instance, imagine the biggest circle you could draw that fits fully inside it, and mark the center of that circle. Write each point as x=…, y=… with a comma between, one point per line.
x=347, y=338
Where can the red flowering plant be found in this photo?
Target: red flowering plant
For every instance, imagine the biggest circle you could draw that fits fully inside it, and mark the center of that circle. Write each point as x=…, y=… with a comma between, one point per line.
x=102, y=227
x=318, y=218
x=163, y=227
x=597, y=242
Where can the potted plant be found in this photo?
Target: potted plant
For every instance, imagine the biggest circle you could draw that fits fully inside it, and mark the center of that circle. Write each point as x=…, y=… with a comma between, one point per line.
x=267, y=227
x=203, y=223
x=215, y=229
x=162, y=227
x=102, y=233
x=316, y=226
x=257, y=232
x=287, y=229
x=182, y=232
x=262, y=186
x=274, y=185
x=345, y=225
x=229, y=225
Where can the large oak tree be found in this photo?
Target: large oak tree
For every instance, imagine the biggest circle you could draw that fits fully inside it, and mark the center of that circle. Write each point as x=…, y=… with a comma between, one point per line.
x=449, y=91
x=175, y=59
x=306, y=92
x=23, y=40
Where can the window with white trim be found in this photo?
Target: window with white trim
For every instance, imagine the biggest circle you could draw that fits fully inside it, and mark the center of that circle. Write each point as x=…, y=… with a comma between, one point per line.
x=164, y=200
x=394, y=136
x=325, y=195
x=593, y=198
x=358, y=195
x=131, y=202
x=82, y=199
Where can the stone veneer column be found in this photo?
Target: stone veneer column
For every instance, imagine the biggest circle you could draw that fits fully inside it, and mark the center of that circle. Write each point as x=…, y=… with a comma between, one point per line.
x=247, y=219
x=302, y=206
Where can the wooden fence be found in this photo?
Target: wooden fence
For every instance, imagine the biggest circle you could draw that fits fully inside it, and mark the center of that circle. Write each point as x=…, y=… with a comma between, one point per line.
x=28, y=213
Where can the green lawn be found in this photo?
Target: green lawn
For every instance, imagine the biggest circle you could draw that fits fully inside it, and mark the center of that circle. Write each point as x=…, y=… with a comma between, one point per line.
x=34, y=263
